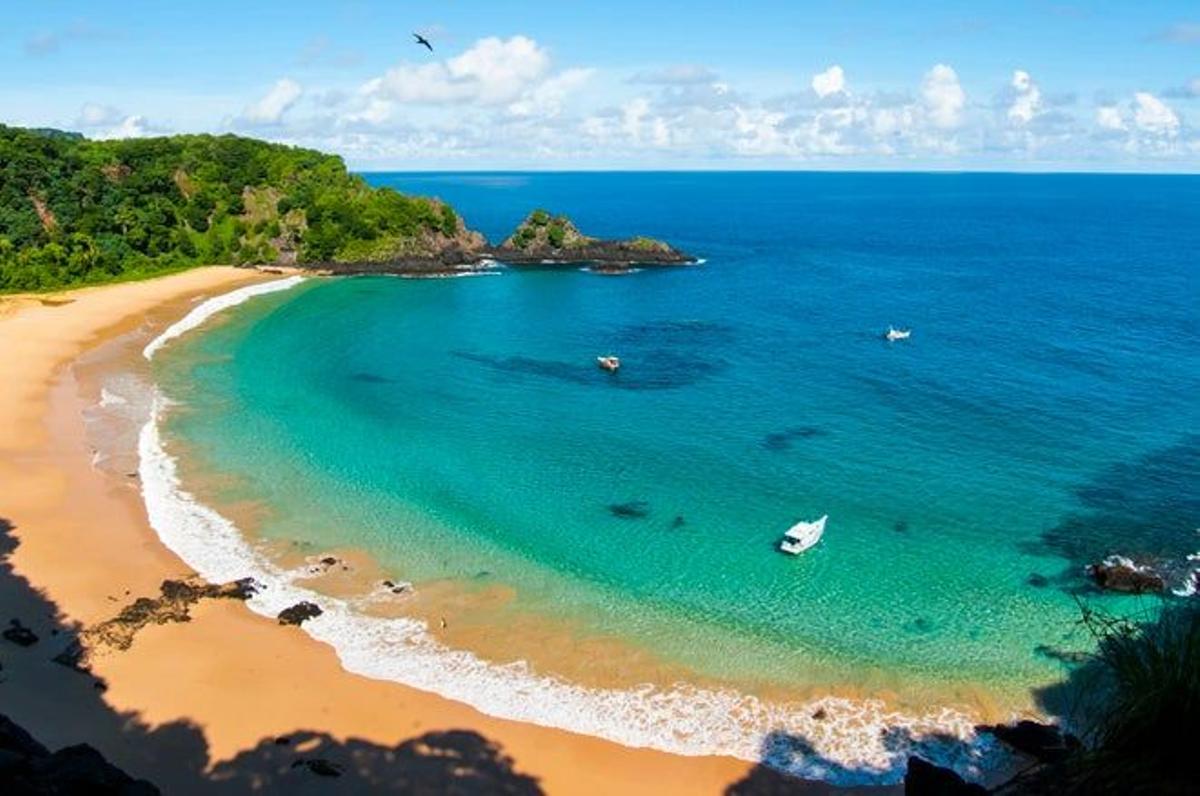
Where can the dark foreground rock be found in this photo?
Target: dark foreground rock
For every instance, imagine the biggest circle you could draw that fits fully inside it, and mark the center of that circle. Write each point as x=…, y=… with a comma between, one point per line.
x=299, y=613
x=925, y=779
x=20, y=635
x=1045, y=743
x=1121, y=575
x=29, y=769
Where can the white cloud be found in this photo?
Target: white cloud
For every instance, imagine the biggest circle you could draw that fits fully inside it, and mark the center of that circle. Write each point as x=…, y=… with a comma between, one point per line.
x=943, y=96
x=1109, y=117
x=93, y=114
x=1026, y=98
x=492, y=72
x=276, y=102
x=547, y=98
x=130, y=127
x=1154, y=116
x=831, y=81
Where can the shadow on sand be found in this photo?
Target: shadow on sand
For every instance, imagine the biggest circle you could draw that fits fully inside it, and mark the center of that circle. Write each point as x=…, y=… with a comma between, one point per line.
x=175, y=756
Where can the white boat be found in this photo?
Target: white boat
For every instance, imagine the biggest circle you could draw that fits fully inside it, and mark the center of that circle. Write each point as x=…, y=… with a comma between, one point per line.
x=802, y=536
x=894, y=334
x=609, y=363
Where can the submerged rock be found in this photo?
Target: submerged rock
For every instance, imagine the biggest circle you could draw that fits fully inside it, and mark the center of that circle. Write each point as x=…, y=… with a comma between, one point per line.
x=299, y=613
x=925, y=779
x=633, y=510
x=1122, y=575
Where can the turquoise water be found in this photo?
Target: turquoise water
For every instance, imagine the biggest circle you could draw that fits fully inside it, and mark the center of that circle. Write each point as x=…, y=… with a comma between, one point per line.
x=1043, y=415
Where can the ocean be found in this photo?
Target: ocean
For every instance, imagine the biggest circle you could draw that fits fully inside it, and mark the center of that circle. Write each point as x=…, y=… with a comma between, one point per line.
x=603, y=546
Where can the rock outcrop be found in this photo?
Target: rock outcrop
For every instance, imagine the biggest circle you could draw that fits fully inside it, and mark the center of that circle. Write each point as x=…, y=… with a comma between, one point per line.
x=1122, y=575
x=299, y=613
x=1045, y=743
x=543, y=238
x=925, y=779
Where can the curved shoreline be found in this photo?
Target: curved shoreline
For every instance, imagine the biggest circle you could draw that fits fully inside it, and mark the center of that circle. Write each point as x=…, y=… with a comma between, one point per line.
x=845, y=736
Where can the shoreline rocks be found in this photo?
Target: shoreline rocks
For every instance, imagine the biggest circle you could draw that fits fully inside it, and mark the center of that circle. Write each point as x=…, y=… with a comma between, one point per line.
x=299, y=613
x=1122, y=575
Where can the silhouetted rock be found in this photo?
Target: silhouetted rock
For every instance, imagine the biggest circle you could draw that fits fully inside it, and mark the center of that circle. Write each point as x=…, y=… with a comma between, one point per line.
x=299, y=613
x=29, y=769
x=1120, y=574
x=319, y=766
x=925, y=779
x=20, y=635
x=1043, y=742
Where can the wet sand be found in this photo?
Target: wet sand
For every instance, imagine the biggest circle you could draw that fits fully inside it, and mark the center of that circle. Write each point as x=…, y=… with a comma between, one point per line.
x=197, y=706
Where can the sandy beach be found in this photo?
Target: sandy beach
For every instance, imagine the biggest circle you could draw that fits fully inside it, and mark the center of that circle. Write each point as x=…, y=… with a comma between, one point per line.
x=228, y=701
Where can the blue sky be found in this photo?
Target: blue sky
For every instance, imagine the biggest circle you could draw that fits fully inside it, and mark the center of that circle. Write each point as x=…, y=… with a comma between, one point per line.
x=628, y=83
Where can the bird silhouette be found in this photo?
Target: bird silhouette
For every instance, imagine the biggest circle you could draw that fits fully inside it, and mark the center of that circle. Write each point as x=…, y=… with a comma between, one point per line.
x=422, y=40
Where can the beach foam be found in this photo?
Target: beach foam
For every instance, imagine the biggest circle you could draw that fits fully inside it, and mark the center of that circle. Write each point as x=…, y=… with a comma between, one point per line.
x=211, y=307
x=842, y=741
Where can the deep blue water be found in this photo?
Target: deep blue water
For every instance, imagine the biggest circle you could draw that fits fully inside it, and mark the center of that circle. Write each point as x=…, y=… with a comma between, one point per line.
x=1045, y=413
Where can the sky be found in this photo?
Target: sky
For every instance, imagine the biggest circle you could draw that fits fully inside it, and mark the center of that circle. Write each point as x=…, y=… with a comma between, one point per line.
x=1021, y=85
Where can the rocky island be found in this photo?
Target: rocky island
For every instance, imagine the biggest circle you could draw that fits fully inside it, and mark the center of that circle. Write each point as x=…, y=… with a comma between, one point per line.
x=545, y=239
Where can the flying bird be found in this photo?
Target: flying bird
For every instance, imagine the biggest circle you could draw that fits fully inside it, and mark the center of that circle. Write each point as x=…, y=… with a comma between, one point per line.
x=422, y=40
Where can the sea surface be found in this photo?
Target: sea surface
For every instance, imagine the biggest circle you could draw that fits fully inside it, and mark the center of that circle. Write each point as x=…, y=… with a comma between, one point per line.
x=610, y=529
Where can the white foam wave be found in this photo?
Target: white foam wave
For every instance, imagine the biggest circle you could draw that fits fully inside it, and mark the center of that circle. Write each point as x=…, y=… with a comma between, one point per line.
x=845, y=742
x=212, y=306
x=110, y=398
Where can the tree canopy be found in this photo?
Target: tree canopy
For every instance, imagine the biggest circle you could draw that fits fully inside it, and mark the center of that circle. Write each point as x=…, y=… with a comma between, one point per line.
x=76, y=211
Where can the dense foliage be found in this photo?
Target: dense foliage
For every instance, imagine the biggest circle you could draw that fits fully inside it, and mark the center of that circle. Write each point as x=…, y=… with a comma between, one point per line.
x=76, y=211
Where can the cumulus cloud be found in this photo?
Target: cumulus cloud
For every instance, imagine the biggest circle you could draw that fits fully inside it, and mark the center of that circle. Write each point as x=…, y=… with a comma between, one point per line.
x=129, y=127
x=678, y=75
x=943, y=96
x=94, y=114
x=547, y=98
x=1154, y=116
x=1026, y=98
x=269, y=109
x=831, y=81
x=492, y=72
x=1109, y=117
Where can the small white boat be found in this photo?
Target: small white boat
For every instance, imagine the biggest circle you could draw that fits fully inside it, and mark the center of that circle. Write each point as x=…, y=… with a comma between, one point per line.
x=609, y=363
x=894, y=334
x=802, y=536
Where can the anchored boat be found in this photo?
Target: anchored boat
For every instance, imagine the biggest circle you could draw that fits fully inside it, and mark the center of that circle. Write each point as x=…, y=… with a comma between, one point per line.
x=802, y=536
x=894, y=334
x=609, y=363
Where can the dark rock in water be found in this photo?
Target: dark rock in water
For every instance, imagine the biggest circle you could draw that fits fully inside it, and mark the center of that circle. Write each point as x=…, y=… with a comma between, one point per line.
x=387, y=584
x=782, y=440
x=319, y=766
x=820, y=715
x=329, y=561
x=678, y=522
x=1038, y=581
x=545, y=239
x=919, y=625
x=925, y=779
x=900, y=526
x=1116, y=574
x=27, y=767
x=633, y=510
x=20, y=635
x=299, y=613
x=1043, y=742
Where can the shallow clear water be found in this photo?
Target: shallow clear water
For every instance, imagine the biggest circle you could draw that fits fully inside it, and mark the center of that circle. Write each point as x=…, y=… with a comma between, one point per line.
x=1043, y=414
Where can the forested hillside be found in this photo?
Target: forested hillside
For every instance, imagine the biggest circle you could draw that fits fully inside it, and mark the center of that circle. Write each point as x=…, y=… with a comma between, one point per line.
x=76, y=211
